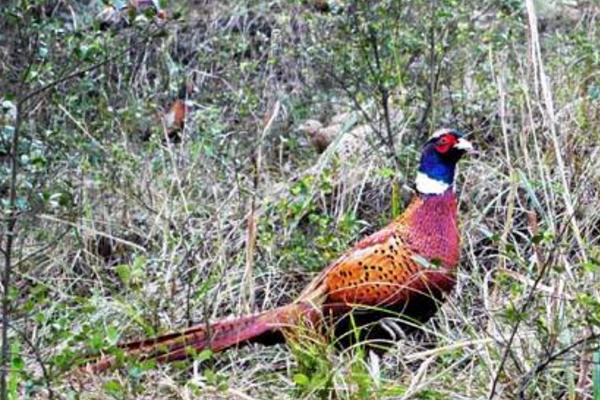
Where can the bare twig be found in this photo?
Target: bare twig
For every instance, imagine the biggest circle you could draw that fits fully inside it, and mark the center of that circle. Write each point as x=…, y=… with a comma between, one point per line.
x=248, y=287
x=38, y=358
x=11, y=223
x=384, y=98
x=549, y=359
x=73, y=75
x=528, y=301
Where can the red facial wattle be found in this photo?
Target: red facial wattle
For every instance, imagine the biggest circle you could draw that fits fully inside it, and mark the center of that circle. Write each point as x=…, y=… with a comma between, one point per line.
x=445, y=143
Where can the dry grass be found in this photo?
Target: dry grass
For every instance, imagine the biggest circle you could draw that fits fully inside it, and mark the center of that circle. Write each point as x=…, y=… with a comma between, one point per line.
x=240, y=214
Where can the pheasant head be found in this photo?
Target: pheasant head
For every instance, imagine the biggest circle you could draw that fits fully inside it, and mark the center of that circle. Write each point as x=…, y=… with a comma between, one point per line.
x=439, y=157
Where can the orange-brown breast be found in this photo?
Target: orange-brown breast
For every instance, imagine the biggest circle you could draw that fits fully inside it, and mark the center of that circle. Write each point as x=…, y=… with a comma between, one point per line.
x=413, y=255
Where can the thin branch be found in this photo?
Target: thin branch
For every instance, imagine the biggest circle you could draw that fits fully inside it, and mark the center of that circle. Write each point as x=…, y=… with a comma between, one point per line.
x=528, y=301
x=549, y=359
x=359, y=107
x=11, y=223
x=83, y=71
x=384, y=93
x=38, y=358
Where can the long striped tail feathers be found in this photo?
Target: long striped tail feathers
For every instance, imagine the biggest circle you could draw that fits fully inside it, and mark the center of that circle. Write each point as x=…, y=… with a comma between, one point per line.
x=269, y=327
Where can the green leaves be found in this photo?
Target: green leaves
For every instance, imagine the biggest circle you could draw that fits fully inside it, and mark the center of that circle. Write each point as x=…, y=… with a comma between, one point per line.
x=219, y=381
x=132, y=274
x=124, y=272
x=314, y=374
x=591, y=266
x=114, y=388
x=427, y=264
x=16, y=371
x=301, y=379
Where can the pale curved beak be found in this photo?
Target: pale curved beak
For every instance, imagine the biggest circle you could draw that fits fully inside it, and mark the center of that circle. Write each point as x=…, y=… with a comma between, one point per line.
x=465, y=145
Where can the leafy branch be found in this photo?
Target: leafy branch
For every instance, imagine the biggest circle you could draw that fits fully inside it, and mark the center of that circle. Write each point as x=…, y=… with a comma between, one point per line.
x=11, y=212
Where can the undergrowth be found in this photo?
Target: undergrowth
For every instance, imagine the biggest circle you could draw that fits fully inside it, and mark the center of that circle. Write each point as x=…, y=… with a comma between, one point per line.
x=122, y=232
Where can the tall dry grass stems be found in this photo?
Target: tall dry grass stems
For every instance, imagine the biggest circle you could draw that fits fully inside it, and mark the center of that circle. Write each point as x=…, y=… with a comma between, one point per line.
x=170, y=233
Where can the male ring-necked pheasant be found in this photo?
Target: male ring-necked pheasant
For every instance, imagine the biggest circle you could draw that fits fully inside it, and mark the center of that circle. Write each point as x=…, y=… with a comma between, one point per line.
x=405, y=268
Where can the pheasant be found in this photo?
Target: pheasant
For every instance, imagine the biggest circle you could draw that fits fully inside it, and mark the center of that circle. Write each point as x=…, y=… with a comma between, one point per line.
x=406, y=269
x=173, y=120
x=117, y=16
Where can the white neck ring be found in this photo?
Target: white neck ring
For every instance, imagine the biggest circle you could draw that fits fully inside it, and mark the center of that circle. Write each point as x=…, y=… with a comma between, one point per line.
x=427, y=185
